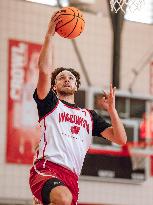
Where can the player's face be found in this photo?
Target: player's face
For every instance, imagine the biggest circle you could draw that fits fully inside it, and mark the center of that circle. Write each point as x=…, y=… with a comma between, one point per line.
x=65, y=83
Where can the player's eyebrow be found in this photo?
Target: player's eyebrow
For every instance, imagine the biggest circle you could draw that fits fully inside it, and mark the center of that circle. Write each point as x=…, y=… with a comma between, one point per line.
x=62, y=74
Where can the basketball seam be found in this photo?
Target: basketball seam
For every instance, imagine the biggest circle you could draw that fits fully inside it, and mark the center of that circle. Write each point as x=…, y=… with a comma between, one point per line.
x=69, y=15
x=65, y=24
x=73, y=29
x=71, y=10
x=75, y=14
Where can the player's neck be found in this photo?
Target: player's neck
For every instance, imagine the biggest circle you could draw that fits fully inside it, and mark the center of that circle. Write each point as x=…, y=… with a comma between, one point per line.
x=67, y=98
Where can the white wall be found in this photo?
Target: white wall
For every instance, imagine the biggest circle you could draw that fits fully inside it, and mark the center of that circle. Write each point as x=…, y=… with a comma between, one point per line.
x=28, y=21
x=137, y=53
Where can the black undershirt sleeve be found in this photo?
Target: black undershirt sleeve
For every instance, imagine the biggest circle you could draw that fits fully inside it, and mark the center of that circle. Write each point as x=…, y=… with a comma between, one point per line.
x=99, y=123
x=47, y=104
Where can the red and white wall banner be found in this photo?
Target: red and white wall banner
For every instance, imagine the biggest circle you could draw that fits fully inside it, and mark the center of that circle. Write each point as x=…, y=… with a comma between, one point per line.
x=22, y=127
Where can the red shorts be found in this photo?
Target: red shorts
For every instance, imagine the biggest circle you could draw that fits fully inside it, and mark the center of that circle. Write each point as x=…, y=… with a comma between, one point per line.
x=52, y=170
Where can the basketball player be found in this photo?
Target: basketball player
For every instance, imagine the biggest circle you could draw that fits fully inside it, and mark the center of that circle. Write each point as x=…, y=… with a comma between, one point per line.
x=66, y=130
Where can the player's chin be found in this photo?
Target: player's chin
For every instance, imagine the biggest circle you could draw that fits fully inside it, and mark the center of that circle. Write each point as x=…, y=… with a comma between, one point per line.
x=67, y=91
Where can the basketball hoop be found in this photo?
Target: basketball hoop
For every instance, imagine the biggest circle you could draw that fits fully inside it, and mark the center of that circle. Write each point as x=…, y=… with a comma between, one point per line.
x=132, y=5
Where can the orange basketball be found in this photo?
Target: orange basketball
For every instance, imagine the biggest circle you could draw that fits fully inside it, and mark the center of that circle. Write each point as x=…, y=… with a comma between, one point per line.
x=71, y=22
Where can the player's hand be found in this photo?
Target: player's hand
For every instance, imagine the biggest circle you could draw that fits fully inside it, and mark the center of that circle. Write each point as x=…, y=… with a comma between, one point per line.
x=108, y=99
x=53, y=23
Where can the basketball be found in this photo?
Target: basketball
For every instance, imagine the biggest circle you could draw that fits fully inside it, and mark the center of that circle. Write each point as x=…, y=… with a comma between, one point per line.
x=71, y=22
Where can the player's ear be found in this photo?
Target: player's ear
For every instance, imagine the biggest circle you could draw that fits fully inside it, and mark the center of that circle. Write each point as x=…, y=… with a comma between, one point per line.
x=76, y=88
x=54, y=88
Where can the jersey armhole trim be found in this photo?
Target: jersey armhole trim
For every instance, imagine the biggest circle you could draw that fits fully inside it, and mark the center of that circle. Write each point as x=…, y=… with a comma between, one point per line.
x=49, y=112
x=90, y=117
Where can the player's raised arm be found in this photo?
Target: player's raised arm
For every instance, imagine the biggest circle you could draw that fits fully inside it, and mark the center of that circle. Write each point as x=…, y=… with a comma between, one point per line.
x=45, y=62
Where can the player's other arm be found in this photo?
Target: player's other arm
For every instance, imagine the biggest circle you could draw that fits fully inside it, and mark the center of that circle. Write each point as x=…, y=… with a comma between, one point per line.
x=45, y=62
x=116, y=133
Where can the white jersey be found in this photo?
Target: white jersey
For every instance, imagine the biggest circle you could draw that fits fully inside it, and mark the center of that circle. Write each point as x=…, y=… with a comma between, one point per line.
x=66, y=134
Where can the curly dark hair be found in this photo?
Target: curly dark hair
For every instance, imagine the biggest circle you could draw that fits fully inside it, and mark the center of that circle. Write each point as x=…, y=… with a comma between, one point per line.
x=58, y=70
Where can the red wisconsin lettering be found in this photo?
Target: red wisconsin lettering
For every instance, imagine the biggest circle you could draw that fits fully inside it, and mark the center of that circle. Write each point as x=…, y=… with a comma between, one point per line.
x=72, y=118
x=62, y=117
x=67, y=118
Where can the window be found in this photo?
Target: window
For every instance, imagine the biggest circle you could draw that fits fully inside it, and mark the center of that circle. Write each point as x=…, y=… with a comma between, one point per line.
x=137, y=108
x=121, y=106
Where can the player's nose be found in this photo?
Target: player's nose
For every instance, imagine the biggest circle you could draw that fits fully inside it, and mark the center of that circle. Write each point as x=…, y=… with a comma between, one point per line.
x=67, y=79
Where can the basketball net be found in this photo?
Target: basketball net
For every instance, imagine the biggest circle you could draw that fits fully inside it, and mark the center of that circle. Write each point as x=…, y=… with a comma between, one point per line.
x=132, y=5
